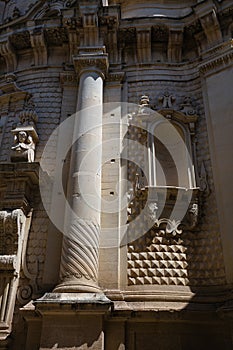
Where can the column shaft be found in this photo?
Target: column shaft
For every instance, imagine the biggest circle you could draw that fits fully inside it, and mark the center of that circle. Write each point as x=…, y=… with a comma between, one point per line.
x=80, y=253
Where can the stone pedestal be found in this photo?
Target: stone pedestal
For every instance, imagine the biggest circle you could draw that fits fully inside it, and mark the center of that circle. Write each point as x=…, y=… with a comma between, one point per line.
x=72, y=321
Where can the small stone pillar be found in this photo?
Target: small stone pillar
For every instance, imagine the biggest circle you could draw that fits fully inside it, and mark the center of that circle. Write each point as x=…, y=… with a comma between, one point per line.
x=80, y=253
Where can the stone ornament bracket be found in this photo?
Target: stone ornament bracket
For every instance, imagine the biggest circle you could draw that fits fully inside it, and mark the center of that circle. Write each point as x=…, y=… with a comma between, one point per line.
x=169, y=225
x=158, y=213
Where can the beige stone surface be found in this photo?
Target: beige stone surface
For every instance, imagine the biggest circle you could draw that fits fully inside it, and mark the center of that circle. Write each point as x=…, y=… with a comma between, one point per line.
x=58, y=55
x=219, y=107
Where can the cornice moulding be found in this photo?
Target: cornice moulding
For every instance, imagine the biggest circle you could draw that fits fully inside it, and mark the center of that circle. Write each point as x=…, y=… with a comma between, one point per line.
x=215, y=64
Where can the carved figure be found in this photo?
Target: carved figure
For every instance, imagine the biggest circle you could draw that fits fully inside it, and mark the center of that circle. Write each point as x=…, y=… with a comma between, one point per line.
x=193, y=215
x=139, y=181
x=24, y=146
x=167, y=100
x=153, y=208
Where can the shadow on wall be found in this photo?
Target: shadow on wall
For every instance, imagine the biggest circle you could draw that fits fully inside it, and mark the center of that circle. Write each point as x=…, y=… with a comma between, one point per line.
x=193, y=259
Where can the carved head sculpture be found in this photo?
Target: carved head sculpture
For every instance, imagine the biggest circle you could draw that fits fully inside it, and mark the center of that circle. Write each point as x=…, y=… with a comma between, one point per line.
x=22, y=136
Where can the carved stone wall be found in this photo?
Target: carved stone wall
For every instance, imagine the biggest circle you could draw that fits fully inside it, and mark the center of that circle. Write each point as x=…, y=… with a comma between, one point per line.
x=198, y=258
x=46, y=92
x=185, y=261
x=164, y=51
x=12, y=230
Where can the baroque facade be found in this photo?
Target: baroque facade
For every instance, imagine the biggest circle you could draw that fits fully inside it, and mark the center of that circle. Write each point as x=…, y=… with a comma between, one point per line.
x=115, y=167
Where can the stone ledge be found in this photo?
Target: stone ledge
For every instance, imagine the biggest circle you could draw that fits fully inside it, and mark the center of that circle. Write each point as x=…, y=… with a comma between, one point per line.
x=88, y=303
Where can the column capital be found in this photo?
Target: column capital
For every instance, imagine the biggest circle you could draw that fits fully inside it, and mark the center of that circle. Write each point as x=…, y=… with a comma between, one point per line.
x=97, y=62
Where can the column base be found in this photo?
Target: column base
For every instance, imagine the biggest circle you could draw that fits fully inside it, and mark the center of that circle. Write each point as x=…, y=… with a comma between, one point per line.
x=55, y=299
x=77, y=286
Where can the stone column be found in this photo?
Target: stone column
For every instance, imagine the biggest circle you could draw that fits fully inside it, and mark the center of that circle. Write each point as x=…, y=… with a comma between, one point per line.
x=80, y=253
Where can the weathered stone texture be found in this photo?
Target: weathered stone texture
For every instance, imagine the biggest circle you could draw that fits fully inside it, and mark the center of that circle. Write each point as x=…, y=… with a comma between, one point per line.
x=201, y=260
x=59, y=56
x=37, y=243
x=46, y=91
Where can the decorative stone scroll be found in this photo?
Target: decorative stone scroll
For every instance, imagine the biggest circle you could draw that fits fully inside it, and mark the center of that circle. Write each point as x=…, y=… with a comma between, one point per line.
x=156, y=205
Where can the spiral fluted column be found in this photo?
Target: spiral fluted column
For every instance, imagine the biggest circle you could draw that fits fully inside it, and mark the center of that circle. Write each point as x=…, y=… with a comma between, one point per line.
x=80, y=252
